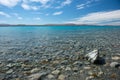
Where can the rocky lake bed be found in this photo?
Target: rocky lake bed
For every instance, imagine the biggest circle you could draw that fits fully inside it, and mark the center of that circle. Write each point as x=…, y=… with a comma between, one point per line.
x=58, y=55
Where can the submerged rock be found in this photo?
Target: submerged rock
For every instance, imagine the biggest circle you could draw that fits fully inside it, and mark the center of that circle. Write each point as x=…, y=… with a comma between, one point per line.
x=56, y=72
x=78, y=63
x=87, y=67
x=50, y=76
x=38, y=76
x=68, y=69
x=61, y=77
x=9, y=71
x=35, y=70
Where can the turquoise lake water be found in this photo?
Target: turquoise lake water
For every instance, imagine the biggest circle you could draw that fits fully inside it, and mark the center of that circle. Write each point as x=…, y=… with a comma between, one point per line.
x=21, y=38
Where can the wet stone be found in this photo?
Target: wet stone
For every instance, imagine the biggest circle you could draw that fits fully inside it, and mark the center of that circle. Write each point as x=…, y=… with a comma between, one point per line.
x=78, y=63
x=9, y=71
x=87, y=67
x=37, y=76
x=35, y=70
x=56, y=72
x=116, y=58
x=75, y=69
x=65, y=62
x=115, y=64
x=50, y=76
x=61, y=77
x=68, y=69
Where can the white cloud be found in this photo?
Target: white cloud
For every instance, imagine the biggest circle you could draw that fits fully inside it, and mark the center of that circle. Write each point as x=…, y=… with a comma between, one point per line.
x=66, y=2
x=99, y=18
x=41, y=1
x=29, y=4
x=81, y=6
x=86, y=4
x=34, y=7
x=25, y=6
x=9, y=3
x=58, y=13
x=28, y=7
x=5, y=14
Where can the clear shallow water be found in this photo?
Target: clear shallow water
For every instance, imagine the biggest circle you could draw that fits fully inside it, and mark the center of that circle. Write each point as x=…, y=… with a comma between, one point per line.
x=52, y=39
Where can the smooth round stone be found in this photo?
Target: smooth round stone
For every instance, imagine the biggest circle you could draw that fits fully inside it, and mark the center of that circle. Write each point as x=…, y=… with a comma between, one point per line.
x=89, y=78
x=61, y=77
x=115, y=64
x=116, y=58
x=68, y=69
x=56, y=72
x=77, y=63
x=75, y=69
x=50, y=76
x=87, y=67
x=9, y=71
x=35, y=70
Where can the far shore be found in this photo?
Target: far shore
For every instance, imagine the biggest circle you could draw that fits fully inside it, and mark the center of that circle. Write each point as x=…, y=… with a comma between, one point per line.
x=9, y=25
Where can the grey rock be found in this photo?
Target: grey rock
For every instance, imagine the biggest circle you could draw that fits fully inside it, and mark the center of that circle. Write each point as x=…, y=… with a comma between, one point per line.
x=87, y=67
x=38, y=76
x=50, y=76
x=75, y=69
x=68, y=69
x=87, y=63
x=9, y=71
x=56, y=72
x=10, y=65
x=115, y=64
x=61, y=77
x=34, y=70
x=65, y=62
x=78, y=63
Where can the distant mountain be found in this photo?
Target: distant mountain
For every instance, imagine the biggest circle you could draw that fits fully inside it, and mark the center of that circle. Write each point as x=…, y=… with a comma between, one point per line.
x=68, y=24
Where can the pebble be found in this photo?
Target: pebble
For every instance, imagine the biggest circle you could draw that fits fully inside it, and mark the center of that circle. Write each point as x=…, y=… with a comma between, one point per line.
x=87, y=63
x=65, y=62
x=115, y=64
x=61, y=77
x=37, y=76
x=87, y=67
x=81, y=71
x=9, y=71
x=115, y=58
x=114, y=75
x=92, y=74
x=50, y=76
x=89, y=77
x=10, y=65
x=100, y=73
x=68, y=69
x=35, y=70
x=56, y=72
x=55, y=62
x=77, y=63
x=75, y=69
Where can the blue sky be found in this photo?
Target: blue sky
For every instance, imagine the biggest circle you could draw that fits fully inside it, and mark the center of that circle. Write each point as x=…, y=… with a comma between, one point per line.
x=60, y=11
